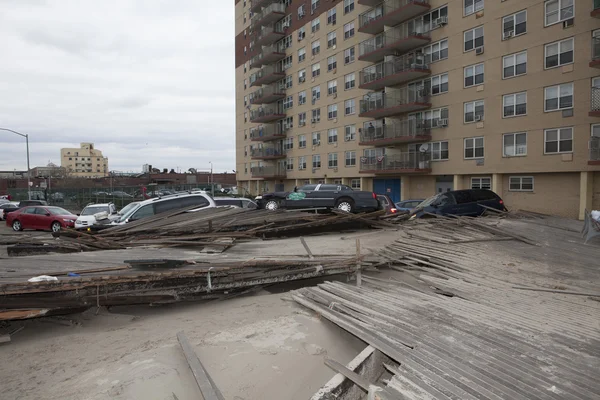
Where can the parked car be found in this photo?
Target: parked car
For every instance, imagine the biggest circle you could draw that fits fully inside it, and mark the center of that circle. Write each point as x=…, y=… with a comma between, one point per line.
x=4, y=201
x=96, y=212
x=41, y=217
x=10, y=205
x=106, y=223
x=387, y=204
x=240, y=202
x=460, y=203
x=408, y=205
x=120, y=194
x=25, y=203
x=327, y=196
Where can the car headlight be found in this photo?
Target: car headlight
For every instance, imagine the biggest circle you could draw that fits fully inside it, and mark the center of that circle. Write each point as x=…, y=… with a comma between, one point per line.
x=69, y=220
x=258, y=198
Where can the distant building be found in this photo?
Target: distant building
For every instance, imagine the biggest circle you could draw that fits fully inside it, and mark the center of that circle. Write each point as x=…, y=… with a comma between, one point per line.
x=84, y=162
x=146, y=168
x=51, y=170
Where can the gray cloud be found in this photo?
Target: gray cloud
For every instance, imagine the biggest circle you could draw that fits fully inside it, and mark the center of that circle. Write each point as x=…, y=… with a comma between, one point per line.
x=143, y=80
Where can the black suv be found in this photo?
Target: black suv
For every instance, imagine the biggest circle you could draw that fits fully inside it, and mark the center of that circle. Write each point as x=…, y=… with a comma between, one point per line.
x=460, y=202
x=25, y=203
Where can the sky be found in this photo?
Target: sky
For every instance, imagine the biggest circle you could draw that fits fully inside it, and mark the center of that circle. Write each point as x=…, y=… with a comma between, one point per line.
x=146, y=81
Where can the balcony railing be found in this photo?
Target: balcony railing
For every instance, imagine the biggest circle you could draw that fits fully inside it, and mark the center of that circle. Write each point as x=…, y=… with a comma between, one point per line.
x=267, y=35
x=390, y=13
x=401, y=39
x=268, y=15
x=256, y=5
x=268, y=55
x=269, y=171
x=379, y=105
x=393, y=72
x=594, y=146
x=266, y=75
x=267, y=94
x=266, y=114
x=370, y=3
x=595, y=52
x=595, y=102
x=401, y=163
x=374, y=133
x=265, y=133
x=268, y=153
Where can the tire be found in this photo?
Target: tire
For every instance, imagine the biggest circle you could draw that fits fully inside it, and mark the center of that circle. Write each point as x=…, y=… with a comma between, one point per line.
x=346, y=205
x=55, y=227
x=272, y=205
x=16, y=225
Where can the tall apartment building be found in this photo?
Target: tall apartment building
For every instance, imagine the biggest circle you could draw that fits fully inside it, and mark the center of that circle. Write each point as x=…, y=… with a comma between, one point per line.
x=84, y=162
x=416, y=97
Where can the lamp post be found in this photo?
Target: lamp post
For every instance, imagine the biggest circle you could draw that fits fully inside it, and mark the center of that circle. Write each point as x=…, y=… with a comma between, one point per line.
x=212, y=181
x=26, y=136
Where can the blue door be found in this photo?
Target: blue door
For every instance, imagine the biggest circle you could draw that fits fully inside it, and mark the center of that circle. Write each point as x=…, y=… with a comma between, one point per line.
x=390, y=187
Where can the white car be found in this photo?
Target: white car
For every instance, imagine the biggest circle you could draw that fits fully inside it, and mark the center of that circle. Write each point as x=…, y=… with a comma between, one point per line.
x=11, y=204
x=96, y=212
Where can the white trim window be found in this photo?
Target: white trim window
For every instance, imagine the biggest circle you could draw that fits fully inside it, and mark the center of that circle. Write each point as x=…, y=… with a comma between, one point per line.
x=436, y=51
x=349, y=81
x=288, y=103
x=316, y=161
x=558, y=10
x=289, y=164
x=349, y=55
x=514, y=104
x=514, y=144
x=432, y=118
x=481, y=183
x=331, y=63
x=348, y=6
x=472, y=6
x=288, y=143
x=558, y=140
x=348, y=30
x=349, y=107
x=474, y=111
x=595, y=130
x=331, y=39
x=302, y=97
x=351, y=159
x=302, y=119
x=301, y=54
x=301, y=33
x=332, y=136
x=302, y=163
x=315, y=25
x=302, y=141
x=474, y=148
x=316, y=47
x=332, y=160
x=473, y=38
x=474, y=75
x=316, y=93
x=316, y=69
x=316, y=138
x=514, y=25
x=350, y=132
x=514, y=65
x=520, y=184
x=332, y=87
x=558, y=53
x=559, y=97
x=439, y=151
x=331, y=16
x=355, y=184
x=316, y=115
x=332, y=111
x=439, y=84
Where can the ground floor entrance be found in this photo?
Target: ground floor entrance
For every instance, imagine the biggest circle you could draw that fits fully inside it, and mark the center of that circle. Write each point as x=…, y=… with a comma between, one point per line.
x=390, y=187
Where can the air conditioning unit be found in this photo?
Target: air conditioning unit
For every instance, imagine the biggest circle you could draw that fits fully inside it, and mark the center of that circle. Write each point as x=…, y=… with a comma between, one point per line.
x=302, y=79
x=334, y=47
x=348, y=138
x=508, y=34
x=441, y=21
x=301, y=123
x=568, y=23
x=313, y=120
x=314, y=170
x=477, y=118
x=318, y=143
x=443, y=122
x=479, y=50
x=335, y=169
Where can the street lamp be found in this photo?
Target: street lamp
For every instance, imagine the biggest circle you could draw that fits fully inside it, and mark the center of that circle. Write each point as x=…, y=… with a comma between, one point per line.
x=212, y=181
x=26, y=136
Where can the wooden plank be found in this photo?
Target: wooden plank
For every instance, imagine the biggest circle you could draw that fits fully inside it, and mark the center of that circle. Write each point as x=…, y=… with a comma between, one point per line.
x=310, y=254
x=379, y=392
x=202, y=378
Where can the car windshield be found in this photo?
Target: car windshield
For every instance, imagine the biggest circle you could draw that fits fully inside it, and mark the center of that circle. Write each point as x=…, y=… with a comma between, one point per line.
x=128, y=208
x=125, y=215
x=429, y=201
x=94, y=210
x=58, y=211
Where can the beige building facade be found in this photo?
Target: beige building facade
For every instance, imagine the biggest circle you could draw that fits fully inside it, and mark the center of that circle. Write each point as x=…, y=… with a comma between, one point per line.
x=84, y=162
x=412, y=98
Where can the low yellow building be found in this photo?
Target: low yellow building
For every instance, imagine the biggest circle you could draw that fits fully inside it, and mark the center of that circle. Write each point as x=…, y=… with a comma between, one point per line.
x=85, y=161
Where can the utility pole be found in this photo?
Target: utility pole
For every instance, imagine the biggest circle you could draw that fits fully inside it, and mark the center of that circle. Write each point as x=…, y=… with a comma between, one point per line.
x=26, y=136
x=212, y=181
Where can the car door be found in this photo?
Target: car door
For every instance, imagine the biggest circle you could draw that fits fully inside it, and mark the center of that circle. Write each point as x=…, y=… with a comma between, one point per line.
x=326, y=196
x=27, y=217
x=302, y=198
x=465, y=204
x=40, y=219
x=142, y=212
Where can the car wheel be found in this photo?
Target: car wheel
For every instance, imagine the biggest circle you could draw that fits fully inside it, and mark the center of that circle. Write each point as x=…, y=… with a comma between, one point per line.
x=55, y=226
x=272, y=205
x=345, y=205
x=16, y=225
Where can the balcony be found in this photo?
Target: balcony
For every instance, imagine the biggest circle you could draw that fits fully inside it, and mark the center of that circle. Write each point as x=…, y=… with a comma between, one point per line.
x=267, y=35
x=268, y=153
x=594, y=147
x=268, y=55
x=390, y=13
x=370, y=3
x=596, y=11
x=595, y=102
x=400, y=39
x=270, y=14
x=380, y=105
x=266, y=133
x=374, y=133
x=266, y=114
x=393, y=72
x=268, y=94
x=395, y=164
x=256, y=5
x=266, y=75
x=275, y=171
x=595, y=63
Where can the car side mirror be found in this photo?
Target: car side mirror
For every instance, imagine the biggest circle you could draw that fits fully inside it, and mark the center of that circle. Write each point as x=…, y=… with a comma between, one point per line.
x=48, y=214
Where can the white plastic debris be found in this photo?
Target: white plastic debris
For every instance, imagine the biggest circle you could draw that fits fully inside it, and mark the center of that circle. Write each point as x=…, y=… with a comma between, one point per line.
x=596, y=215
x=373, y=390
x=43, y=278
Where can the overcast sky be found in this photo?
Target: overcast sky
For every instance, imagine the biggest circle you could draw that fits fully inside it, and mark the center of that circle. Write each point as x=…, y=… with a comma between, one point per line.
x=147, y=81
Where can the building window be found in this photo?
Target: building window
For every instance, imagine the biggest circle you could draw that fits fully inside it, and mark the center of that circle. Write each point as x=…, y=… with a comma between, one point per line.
x=316, y=115
x=558, y=53
x=316, y=138
x=474, y=75
x=514, y=104
x=288, y=143
x=474, y=111
x=332, y=160
x=302, y=76
x=332, y=111
x=481, y=183
x=316, y=70
x=332, y=136
x=349, y=81
x=288, y=103
x=355, y=184
x=514, y=25
x=301, y=54
x=315, y=25
x=302, y=97
x=316, y=93
x=436, y=51
x=558, y=97
x=439, y=84
x=302, y=119
x=331, y=63
x=349, y=107
x=301, y=163
x=331, y=87
x=432, y=118
x=473, y=38
x=331, y=39
x=439, y=151
x=284, y=43
x=351, y=159
x=348, y=6
x=514, y=65
x=348, y=30
x=331, y=16
x=289, y=164
x=474, y=148
x=301, y=33
x=514, y=144
x=429, y=19
x=314, y=4
x=472, y=6
x=316, y=161
x=350, y=133
x=302, y=141
x=558, y=10
x=349, y=55
x=520, y=184
x=286, y=63
x=559, y=140
x=286, y=82
x=316, y=47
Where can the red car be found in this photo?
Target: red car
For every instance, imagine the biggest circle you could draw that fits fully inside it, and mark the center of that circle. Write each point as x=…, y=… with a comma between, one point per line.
x=386, y=203
x=41, y=217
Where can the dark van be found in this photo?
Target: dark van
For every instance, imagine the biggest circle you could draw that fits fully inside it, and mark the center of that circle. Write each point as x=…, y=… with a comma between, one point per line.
x=460, y=202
